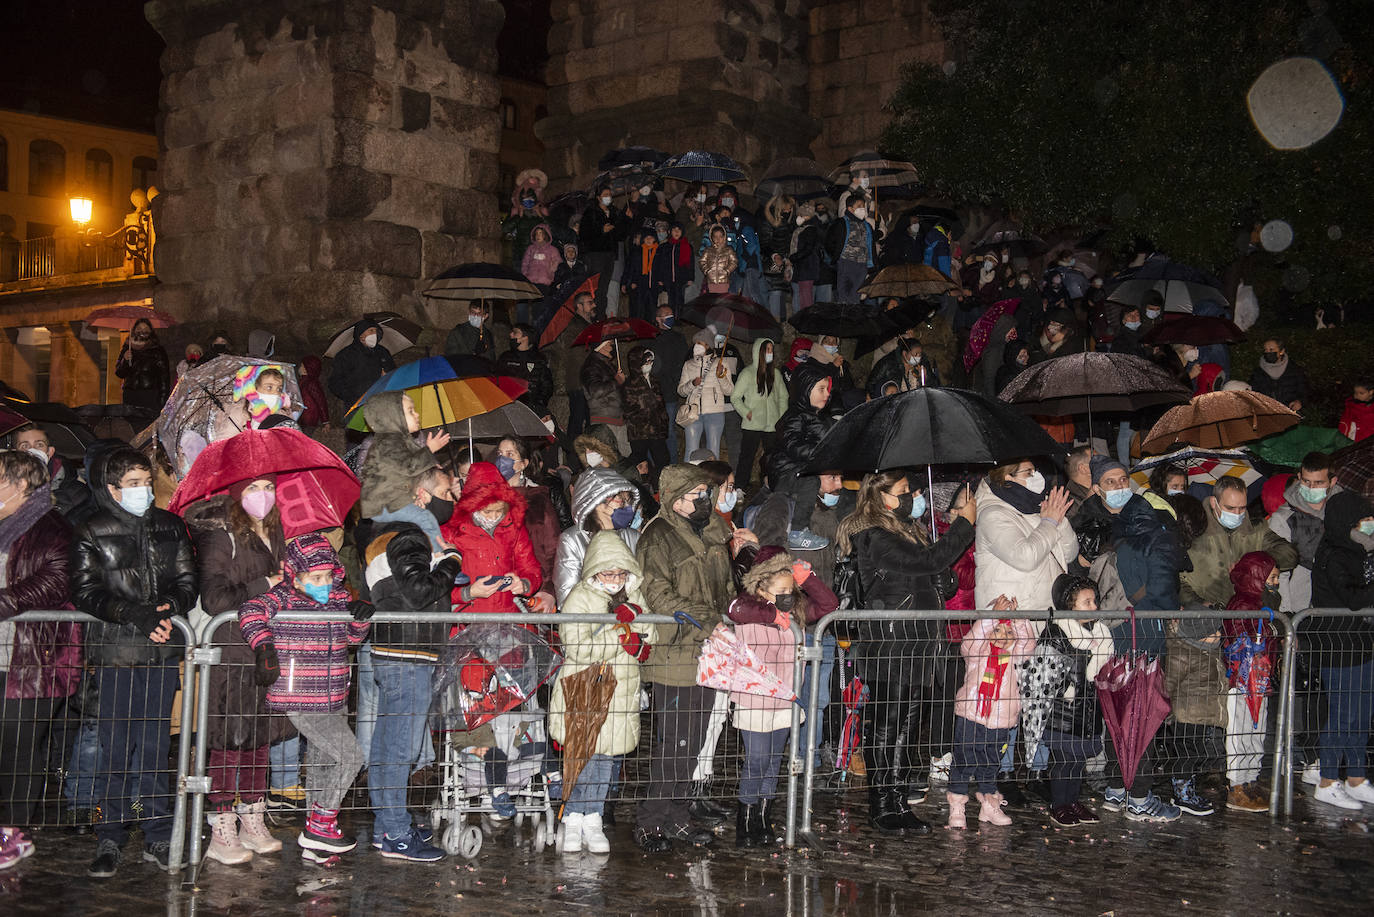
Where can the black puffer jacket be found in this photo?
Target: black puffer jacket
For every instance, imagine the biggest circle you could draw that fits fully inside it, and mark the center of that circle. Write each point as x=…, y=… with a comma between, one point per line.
x=800, y=429
x=532, y=366
x=122, y=567
x=1342, y=577
x=356, y=367
x=146, y=374
x=1079, y=715
x=1289, y=387
x=398, y=577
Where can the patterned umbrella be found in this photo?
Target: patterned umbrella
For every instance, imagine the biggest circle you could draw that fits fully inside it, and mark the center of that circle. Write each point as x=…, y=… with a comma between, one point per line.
x=1354, y=467
x=880, y=171
x=799, y=178
x=398, y=333
x=1180, y=285
x=907, y=280
x=733, y=315
x=981, y=334
x=727, y=663
x=1204, y=466
x=1220, y=420
x=124, y=317
x=482, y=280
x=703, y=166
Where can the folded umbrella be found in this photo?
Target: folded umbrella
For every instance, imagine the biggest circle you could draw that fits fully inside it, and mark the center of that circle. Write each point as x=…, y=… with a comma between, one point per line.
x=1220, y=420
x=1130, y=693
x=1180, y=328
x=398, y=333
x=907, y=280
x=981, y=334
x=482, y=280
x=123, y=318
x=1081, y=382
x=587, y=698
x=1250, y=665
x=727, y=663
x=1354, y=467
x=315, y=489
x=1038, y=679
x=797, y=177
x=854, y=696
x=703, y=166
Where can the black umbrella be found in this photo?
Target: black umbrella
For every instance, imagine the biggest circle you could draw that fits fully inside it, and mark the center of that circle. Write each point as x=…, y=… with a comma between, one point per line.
x=115, y=421
x=1179, y=328
x=1180, y=285
x=927, y=216
x=732, y=315
x=797, y=177
x=704, y=166
x=1007, y=234
x=909, y=313
x=67, y=432
x=1081, y=382
x=840, y=319
x=631, y=156
x=624, y=179
x=482, y=280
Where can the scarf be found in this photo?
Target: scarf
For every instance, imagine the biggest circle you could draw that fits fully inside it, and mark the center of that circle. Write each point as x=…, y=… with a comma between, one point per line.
x=1095, y=639
x=646, y=257
x=13, y=527
x=1274, y=370
x=1024, y=501
x=994, y=669
x=682, y=250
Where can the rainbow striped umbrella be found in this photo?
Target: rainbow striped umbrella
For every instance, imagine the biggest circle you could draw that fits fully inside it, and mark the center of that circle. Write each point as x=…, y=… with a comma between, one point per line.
x=444, y=390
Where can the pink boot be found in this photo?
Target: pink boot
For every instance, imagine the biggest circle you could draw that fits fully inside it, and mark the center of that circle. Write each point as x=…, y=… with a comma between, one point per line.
x=991, y=811
x=957, y=819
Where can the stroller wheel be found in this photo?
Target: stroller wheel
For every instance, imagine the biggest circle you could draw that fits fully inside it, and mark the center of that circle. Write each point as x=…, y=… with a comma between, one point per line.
x=519, y=819
x=452, y=839
x=470, y=842
x=540, y=835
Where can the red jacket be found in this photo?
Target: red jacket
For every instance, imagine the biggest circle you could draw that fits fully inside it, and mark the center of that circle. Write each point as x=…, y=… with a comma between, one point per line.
x=1357, y=420
x=507, y=548
x=1247, y=578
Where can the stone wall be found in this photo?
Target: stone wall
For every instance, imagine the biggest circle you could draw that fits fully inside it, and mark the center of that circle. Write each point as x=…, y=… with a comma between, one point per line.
x=322, y=158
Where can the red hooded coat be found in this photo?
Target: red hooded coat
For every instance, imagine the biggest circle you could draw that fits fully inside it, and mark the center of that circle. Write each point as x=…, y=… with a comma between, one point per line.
x=507, y=548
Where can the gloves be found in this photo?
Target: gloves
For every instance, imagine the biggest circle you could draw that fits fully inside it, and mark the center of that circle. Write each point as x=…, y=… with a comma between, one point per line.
x=266, y=668
x=782, y=620
x=801, y=569
x=635, y=645
x=626, y=612
x=361, y=611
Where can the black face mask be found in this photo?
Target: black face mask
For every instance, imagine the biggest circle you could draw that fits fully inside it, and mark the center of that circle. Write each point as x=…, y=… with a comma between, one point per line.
x=218, y=349
x=903, y=508
x=440, y=509
x=701, y=511
x=1271, y=358
x=785, y=602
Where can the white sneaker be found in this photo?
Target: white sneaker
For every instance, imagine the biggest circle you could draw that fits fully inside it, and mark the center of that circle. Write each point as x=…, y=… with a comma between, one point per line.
x=1362, y=792
x=1335, y=795
x=571, y=839
x=593, y=835
x=1312, y=774
x=939, y=768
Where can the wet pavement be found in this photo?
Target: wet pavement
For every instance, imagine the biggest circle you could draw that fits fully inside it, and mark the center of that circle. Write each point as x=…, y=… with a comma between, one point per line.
x=1320, y=863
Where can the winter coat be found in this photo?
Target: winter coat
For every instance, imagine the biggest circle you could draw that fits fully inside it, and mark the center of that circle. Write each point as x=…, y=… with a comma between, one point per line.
x=122, y=567
x=1195, y=680
x=356, y=367
x=759, y=410
x=713, y=394
x=1018, y=555
x=315, y=407
x=802, y=426
x=671, y=350
x=1303, y=525
x=463, y=339
x=1357, y=420
x=673, y=264
x=684, y=570
x=1006, y=706
x=588, y=645
x=594, y=486
x=533, y=367
x=541, y=521
x=1342, y=577
x=35, y=544
x=313, y=655
x=402, y=572
x=1216, y=551
x=837, y=234
x=894, y=369
x=602, y=390
x=1073, y=712
x=1010, y=368
x=573, y=355
x=1290, y=386
x=806, y=252
x=1148, y=561
x=508, y=547
x=755, y=623
x=718, y=263
x=646, y=416
x=540, y=259
x=147, y=374
x=592, y=235
x=394, y=459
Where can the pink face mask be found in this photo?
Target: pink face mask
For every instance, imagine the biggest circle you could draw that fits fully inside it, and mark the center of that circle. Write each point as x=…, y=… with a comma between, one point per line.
x=259, y=503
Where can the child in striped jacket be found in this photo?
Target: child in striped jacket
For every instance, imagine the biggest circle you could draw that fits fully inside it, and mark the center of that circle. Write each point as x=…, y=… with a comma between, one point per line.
x=304, y=666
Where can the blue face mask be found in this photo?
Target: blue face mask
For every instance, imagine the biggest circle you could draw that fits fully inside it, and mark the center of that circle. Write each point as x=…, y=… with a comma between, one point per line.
x=1367, y=527
x=135, y=500
x=1116, y=498
x=1134, y=326
x=505, y=465
x=918, y=506
x=1231, y=520
x=830, y=499
x=318, y=593
x=623, y=517
x=669, y=321
x=728, y=500
x=638, y=521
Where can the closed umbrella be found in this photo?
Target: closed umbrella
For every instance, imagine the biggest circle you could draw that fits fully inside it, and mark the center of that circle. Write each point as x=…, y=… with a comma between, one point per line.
x=1180, y=285
x=1079, y=382
x=854, y=695
x=1220, y=420
x=631, y=156
x=480, y=280
x=702, y=166
x=981, y=334
x=1038, y=678
x=586, y=702
x=123, y=318
x=796, y=177
x=1288, y=449
x=907, y=280
x=840, y=319
x=1130, y=693
x=727, y=663
x=1180, y=328
x=397, y=332
x=732, y=315
x=315, y=489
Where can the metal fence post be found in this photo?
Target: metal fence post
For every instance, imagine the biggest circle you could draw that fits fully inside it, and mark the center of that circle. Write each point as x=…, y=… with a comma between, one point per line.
x=813, y=700
x=174, y=846
x=1282, y=783
x=798, y=675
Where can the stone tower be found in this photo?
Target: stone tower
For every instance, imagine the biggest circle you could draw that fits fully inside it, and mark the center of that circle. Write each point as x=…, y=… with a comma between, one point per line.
x=322, y=158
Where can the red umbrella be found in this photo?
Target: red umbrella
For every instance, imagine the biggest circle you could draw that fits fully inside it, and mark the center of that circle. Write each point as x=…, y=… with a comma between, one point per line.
x=124, y=317
x=1178, y=328
x=619, y=329
x=10, y=420
x=851, y=734
x=315, y=489
x=563, y=315
x=1130, y=691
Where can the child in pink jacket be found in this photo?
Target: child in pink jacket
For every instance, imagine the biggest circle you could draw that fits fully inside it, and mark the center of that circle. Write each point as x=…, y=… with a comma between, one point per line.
x=986, y=707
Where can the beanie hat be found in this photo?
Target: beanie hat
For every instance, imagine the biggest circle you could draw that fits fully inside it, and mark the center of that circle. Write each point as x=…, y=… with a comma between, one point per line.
x=1100, y=465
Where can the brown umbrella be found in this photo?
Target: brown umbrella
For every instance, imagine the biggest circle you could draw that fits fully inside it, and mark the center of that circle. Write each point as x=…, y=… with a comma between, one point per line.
x=903, y=280
x=586, y=701
x=1220, y=420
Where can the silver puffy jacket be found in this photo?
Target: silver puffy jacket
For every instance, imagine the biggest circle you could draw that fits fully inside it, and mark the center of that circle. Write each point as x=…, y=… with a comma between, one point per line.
x=590, y=488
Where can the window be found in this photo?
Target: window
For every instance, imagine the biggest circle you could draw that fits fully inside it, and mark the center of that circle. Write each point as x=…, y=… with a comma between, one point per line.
x=99, y=175
x=145, y=173
x=47, y=169
x=508, y=114
x=4, y=164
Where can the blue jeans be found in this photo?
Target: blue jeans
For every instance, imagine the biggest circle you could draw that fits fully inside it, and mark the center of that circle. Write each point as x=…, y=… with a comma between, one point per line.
x=594, y=784
x=827, y=668
x=758, y=779
x=706, y=432
x=135, y=725
x=671, y=408
x=977, y=750
x=366, y=720
x=849, y=276
x=1349, y=705
x=822, y=292
x=775, y=303
x=1037, y=763
x=285, y=760
x=402, y=725
x=85, y=766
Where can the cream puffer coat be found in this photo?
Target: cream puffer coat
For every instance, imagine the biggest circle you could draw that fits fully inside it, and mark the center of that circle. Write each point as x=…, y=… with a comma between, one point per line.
x=586, y=645
x=1017, y=555
x=713, y=394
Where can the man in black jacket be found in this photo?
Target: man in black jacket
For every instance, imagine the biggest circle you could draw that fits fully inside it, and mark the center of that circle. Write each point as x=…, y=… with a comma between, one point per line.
x=359, y=364
x=132, y=567
x=525, y=361
x=599, y=235
x=1279, y=377
x=671, y=351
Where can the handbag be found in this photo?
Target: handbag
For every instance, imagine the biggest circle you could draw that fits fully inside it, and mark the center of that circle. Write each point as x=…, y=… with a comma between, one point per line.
x=688, y=412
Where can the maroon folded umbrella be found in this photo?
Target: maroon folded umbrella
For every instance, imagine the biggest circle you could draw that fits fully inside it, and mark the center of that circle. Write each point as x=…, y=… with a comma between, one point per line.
x=1130, y=691
x=1178, y=328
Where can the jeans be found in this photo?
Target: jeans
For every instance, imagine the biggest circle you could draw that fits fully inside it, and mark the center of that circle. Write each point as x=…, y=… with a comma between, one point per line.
x=25, y=724
x=775, y=304
x=758, y=781
x=705, y=432
x=366, y=719
x=135, y=724
x=1349, y=705
x=826, y=673
x=803, y=295
x=822, y=292
x=977, y=749
x=673, y=428
x=849, y=276
x=86, y=765
x=594, y=784
x=1124, y=435
x=284, y=762
x=1068, y=754
x=403, y=695
x=1037, y=763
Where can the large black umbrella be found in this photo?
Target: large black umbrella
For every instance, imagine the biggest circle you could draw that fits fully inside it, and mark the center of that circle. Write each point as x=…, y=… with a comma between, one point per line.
x=1007, y=234
x=840, y=319
x=631, y=156
x=927, y=215
x=482, y=280
x=800, y=178
x=702, y=165
x=1180, y=285
x=1081, y=382
x=909, y=313
x=732, y=315
x=67, y=431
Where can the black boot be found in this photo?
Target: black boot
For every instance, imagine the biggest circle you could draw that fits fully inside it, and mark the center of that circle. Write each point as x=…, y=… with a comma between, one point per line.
x=910, y=823
x=704, y=811
x=744, y=819
x=767, y=831
x=885, y=810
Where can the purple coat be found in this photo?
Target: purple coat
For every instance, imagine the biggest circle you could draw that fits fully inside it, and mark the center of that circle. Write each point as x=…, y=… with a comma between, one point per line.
x=46, y=659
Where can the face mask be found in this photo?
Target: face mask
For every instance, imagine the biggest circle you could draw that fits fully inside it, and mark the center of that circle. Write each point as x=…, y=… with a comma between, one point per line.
x=605, y=200
x=623, y=516
x=860, y=213
x=135, y=500
x=662, y=237
x=593, y=459
x=528, y=203
x=728, y=500
x=1313, y=495
x=831, y=500
x=701, y=510
x=1036, y=483
x=720, y=340
x=369, y=340
x=645, y=191
x=608, y=588
x=1022, y=359
x=1117, y=498
x=768, y=358
x=863, y=182
x=1175, y=491
x=647, y=369
x=318, y=592
x=1271, y=358
x=1152, y=313
x=728, y=202
x=272, y=402
x=823, y=216
x=785, y=602
x=913, y=230
x=505, y=465
x=1231, y=520
x=701, y=198
x=638, y=522
x=910, y=505
x=668, y=321
x=475, y=321
x=1190, y=355
x=258, y=503
x=831, y=349
x=40, y=455
x=698, y=350
x=487, y=525
x=1134, y=326
x=913, y=360
x=801, y=221
x=220, y=349
x=918, y=506
x=440, y=509
x=549, y=425
x=1367, y=527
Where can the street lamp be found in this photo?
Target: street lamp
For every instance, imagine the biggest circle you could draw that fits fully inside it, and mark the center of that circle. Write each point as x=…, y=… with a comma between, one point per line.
x=132, y=238
x=81, y=209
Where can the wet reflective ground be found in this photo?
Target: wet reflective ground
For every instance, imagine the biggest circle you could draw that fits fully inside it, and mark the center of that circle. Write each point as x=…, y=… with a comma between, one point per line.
x=1320, y=863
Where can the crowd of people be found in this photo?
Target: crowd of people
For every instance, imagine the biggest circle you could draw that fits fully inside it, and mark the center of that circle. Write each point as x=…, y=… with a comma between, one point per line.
x=680, y=483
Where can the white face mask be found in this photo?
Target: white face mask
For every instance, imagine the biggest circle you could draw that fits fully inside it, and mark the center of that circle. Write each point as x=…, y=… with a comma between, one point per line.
x=863, y=181
x=728, y=202
x=701, y=198
x=698, y=350
x=645, y=191
x=1190, y=355
x=720, y=340
x=1152, y=313
x=1035, y=483
x=801, y=221
x=830, y=349
x=605, y=200
x=768, y=357
x=861, y=213
x=475, y=321
x=40, y=455
x=727, y=501
x=369, y=340
x=593, y=459
x=549, y=425
x=647, y=369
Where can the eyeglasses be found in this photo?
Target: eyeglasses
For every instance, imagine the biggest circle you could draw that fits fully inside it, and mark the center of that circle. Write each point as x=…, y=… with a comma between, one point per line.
x=613, y=576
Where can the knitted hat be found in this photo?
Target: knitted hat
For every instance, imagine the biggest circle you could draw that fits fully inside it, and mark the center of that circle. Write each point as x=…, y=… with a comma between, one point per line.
x=1101, y=465
x=768, y=563
x=706, y=337
x=236, y=490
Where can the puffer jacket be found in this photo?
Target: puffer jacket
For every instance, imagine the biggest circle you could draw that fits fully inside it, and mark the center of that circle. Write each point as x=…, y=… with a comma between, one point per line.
x=122, y=567
x=594, y=486
x=588, y=645
x=760, y=410
x=147, y=374
x=776, y=647
x=1074, y=712
x=403, y=573
x=1004, y=709
x=1297, y=521
x=1216, y=551
x=1342, y=577
x=684, y=570
x=1148, y=561
x=1018, y=555
x=356, y=367
x=540, y=259
x=646, y=416
x=507, y=548
x=393, y=460
x=713, y=394
x=604, y=403
x=717, y=263
x=45, y=658
x=802, y=426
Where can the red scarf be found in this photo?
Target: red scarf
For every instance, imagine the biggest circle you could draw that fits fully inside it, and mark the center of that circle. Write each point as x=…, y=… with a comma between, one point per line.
x=990, y=688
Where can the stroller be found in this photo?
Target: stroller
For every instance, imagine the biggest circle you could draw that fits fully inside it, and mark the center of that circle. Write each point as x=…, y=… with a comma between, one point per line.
x=494, y=743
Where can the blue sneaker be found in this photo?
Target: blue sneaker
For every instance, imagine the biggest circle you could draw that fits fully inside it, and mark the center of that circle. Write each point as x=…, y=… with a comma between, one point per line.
x=1188, y=799
x=423, y=832
x=1113, y=800
x=806, y=540
x=1151, y=809
x=410, y=847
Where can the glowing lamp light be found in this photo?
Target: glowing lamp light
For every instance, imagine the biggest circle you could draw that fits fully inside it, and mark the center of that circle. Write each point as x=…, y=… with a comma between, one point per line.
x=81, y=210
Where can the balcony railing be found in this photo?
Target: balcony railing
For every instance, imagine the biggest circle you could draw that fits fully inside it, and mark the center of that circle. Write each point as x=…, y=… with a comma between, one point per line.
x=35, y=259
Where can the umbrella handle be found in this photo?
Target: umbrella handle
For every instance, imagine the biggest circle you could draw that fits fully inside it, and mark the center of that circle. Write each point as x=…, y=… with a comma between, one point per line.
x=683, y=617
